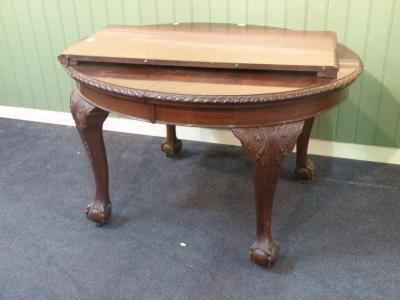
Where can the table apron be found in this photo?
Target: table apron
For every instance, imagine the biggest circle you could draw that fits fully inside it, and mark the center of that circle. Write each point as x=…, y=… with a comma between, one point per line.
x=230, y=115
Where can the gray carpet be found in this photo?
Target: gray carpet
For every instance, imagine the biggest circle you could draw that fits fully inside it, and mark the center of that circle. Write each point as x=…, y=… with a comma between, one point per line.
x=339, y=234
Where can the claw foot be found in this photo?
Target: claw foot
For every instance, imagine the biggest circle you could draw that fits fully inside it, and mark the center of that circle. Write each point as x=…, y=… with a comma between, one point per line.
x=98, y=212
x=171, y=149
x=264, y=253
x=305, y=171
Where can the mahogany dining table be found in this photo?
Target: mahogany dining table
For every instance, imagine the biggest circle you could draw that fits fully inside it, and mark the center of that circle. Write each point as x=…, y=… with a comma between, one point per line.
x=268, y=111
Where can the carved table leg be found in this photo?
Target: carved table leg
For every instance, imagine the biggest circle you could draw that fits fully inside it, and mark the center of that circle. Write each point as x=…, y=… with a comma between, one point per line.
x=267, y=146
x=304, y=167
x=171, y=145
x=89, y=122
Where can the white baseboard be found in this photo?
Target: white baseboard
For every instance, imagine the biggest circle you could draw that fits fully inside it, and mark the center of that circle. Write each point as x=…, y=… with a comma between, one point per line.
x=218, y=136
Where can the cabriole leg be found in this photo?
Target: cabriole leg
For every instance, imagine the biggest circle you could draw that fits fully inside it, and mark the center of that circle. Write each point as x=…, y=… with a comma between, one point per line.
x=171, y=145
x=89, y=122
x=267, y=146
x=304, y=166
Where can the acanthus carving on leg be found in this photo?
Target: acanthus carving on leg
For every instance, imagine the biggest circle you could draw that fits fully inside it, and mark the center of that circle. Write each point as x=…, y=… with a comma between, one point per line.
x=171, y=145
x=267, y=146
x=89, y=122
x=304, y=166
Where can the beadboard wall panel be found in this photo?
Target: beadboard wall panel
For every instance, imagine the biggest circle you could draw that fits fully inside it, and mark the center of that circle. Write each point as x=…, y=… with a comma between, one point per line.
x=33, y=32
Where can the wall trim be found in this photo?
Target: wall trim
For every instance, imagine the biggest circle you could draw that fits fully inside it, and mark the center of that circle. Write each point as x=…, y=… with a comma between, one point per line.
x=217, y=136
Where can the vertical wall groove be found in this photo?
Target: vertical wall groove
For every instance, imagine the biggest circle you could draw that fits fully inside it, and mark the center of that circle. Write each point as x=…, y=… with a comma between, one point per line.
x=25, y=60
x=123, y=11
x=38, y=56
x=306, y=15
x=228, y=9
x=107, y=12
x=266, y=12
x=191, y=11
x=285, y=19
x=91, y=14
x=346, y=31
x=68, y=84
x=140, y=12
x=8, y=53
x=62, y=25
x=3, y=85
x=316, y=129
x=54, y=54
x=3, y=90
x=174, y=10
x=157, y=15
x=209, y=11
x=385, y=61
x=75, y=12
x=327, y=3
x=364, y=54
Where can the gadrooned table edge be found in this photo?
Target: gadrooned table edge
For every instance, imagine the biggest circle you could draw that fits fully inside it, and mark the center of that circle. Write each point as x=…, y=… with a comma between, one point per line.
x=216, y=99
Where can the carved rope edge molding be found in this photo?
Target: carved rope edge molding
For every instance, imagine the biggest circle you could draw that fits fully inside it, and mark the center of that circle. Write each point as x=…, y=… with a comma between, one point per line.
x=216, y=99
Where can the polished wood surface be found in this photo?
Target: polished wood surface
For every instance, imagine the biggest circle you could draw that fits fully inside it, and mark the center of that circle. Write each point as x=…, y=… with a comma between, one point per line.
x=171, y=145
x=267, y=146
x=211, y=46
x=268, y=111
x=190, y=85
x=89, y=122
x=304, y=167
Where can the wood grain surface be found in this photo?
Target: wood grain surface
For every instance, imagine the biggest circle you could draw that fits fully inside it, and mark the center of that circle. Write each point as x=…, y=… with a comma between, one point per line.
x=211, y=46
x=203, y=85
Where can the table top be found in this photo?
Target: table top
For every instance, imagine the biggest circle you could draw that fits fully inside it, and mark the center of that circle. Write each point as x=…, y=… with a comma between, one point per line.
x=212, y=46
x=213, y=86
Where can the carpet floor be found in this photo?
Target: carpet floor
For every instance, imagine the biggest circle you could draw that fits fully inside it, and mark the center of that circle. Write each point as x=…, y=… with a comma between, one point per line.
x=339, y=234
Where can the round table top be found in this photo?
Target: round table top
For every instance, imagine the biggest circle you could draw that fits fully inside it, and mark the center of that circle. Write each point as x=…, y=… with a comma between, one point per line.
x=214, y=86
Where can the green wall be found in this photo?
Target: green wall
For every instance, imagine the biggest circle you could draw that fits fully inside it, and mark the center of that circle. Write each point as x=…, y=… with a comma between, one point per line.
x=33, y=32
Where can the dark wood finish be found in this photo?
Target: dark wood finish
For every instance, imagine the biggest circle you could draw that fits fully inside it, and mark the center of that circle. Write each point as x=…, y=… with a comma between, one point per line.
x=89, y=122
x=171, y=145
x=304, y=166
x=239, y=115
x=267, y=146
x=210, y=46
x=268, y=111
x=207, y=86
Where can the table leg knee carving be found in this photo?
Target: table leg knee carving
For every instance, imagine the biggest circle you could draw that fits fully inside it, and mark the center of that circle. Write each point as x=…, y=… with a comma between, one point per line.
x=89, y=122
x=304, y=166
x=171, y=145
x=267, y=146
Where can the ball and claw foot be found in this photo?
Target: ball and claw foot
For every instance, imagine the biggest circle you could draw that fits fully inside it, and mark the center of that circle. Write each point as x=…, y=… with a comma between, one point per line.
x=265, y=253
x=171, y=149
x=98, y=212
x=305, y=172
